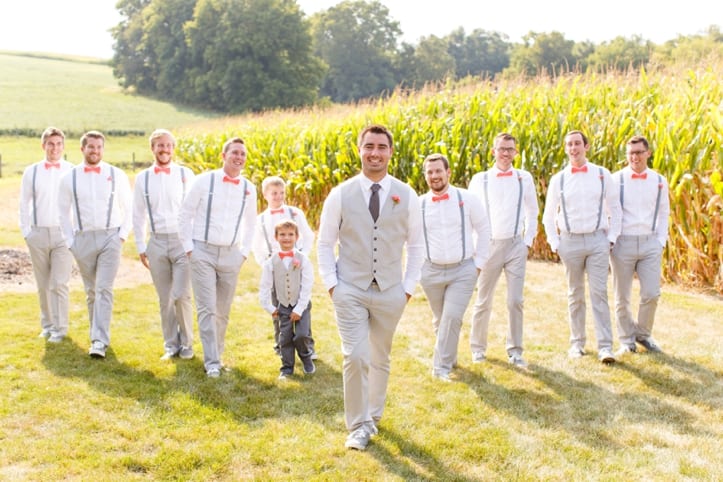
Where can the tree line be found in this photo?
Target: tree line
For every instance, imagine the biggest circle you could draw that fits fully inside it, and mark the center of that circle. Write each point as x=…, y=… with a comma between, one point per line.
x=235, y=56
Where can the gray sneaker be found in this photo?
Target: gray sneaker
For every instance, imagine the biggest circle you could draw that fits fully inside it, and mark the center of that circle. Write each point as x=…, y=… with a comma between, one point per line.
x=97, y=349
x=649, y=344
x=186, y=353
x=478, y=356
x=309, y=366
x=55, y=338
x=169, y=354
x=213, y=373
x=359, y=438
x=575, y=352
x=44, y=334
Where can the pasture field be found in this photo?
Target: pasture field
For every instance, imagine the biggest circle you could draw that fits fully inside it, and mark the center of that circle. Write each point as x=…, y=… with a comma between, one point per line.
x=64, y=416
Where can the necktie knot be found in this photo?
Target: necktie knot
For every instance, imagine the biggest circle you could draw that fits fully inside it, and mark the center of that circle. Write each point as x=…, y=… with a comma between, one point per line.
x=504, y=174
x=231, y=180
x=277, y=211
x=443, y=197
x=95, y=169
x=286, y=254
x=642, y=175
x=50, y=165
x=158, y=169
x=575, y=170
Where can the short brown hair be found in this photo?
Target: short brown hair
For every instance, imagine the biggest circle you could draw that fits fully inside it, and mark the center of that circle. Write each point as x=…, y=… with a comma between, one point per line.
x=504, y=136
x=436, y=157
x=585, y=142
x=91, y=135
x=639, y=140
x=287, y=224
x=375, y=129
x=51, y=131
x=233, y=140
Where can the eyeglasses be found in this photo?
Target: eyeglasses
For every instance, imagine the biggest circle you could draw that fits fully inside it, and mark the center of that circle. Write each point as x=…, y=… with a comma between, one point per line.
x=636, y=153
x=508, y=150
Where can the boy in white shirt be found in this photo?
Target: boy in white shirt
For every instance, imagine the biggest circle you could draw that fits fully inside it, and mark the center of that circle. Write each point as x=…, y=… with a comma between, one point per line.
x=285, y=292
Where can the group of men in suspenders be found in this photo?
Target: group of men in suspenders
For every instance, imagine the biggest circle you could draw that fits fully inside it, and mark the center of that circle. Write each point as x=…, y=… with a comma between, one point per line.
x=453, y=239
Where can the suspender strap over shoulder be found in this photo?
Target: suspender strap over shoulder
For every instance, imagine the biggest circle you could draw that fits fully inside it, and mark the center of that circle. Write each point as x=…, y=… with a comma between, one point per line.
x=35, y=209
x=75, y=198
x=240, y=215
x=148, y=203
x=208, y=208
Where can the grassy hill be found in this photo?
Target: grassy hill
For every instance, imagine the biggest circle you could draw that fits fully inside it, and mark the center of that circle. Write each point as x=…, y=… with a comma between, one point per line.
x=75, y=94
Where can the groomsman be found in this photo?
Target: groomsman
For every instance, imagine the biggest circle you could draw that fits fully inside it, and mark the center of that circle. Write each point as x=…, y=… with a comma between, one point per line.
x=157, y=197
x=456, y=242
x=370, y=218
x=95, y=204
x=217, y=223
x=510, y=201
x=582, y=223
x=40, y=226
x=639, y=248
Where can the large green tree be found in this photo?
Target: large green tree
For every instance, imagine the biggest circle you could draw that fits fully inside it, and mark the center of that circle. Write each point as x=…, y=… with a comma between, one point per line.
x=358, y=43
x=543, y=52
x=227, y=55
x=479, y=53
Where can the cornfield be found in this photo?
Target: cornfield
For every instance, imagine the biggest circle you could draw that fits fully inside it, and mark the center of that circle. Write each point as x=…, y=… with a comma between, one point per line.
x=678, y=110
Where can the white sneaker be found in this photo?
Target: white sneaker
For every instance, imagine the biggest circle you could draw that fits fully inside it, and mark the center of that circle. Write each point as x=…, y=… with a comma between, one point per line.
x=97, y=349
x=625, y=349
x=55, y=338
x=605, y=355
x=358, y=439
x=575, y=352
x=478, y=356
x=442, y=377
x=213, y=373
x=44, y=334
x=517, y=361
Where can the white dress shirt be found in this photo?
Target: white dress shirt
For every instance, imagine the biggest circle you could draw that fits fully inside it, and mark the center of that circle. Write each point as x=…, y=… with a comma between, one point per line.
x=266, y=284
x=44, y=208
x=329, y=234
x=639, y=199
x=165, y=196
x=226, y=204
x=503, y=193
x=265, y=225
x=443, y=228
x=582, y=201
x=94, y=192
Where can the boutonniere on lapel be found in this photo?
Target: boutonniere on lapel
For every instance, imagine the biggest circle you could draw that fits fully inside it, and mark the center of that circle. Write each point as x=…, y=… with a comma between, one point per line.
x=461, y=203
x=295, y=263
x=395, y=199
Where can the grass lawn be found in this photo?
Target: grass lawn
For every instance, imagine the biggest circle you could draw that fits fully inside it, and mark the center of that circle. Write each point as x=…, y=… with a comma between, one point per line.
x=131, y=416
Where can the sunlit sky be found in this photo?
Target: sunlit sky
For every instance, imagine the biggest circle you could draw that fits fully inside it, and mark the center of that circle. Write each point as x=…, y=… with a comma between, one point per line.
x=81, y=27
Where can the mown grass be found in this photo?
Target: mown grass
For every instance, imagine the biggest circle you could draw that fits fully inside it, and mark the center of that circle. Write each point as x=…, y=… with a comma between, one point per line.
x=134, y=417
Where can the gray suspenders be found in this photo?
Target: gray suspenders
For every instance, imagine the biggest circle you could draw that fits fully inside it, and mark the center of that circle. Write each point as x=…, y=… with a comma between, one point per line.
x=461, y=215
x=519, y=199
x=599, y=208
x=146, y=195
x=110, y=199
x=657, y=200
x=266, y=235
x=35, y=210
x=208, y=211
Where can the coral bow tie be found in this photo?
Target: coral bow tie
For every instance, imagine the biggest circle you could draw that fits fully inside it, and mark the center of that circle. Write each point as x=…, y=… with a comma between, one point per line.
x=284, y=254
x=643, y=175
x=158, y=169
x=277, y=211
x=228, y=179
x=95, y=169
x=440, y=198
x=504, y=174
x=579, y=169
x=50, y=165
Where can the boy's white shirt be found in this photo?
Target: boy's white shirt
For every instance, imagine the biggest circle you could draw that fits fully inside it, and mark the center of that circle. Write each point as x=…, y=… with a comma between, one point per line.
x=267, y=221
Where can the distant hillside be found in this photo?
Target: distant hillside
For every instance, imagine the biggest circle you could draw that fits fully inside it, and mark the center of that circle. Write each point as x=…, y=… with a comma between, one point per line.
x=77, y=94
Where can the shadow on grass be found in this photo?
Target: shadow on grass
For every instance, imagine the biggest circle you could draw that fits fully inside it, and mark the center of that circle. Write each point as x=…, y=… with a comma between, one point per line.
x=583, y=409
x=690, y=381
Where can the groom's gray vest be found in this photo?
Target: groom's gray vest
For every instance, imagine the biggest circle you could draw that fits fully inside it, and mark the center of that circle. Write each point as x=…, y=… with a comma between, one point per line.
x=370, y=251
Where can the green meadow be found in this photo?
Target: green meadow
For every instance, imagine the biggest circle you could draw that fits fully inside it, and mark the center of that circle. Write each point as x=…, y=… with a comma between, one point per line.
x=65, y=416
